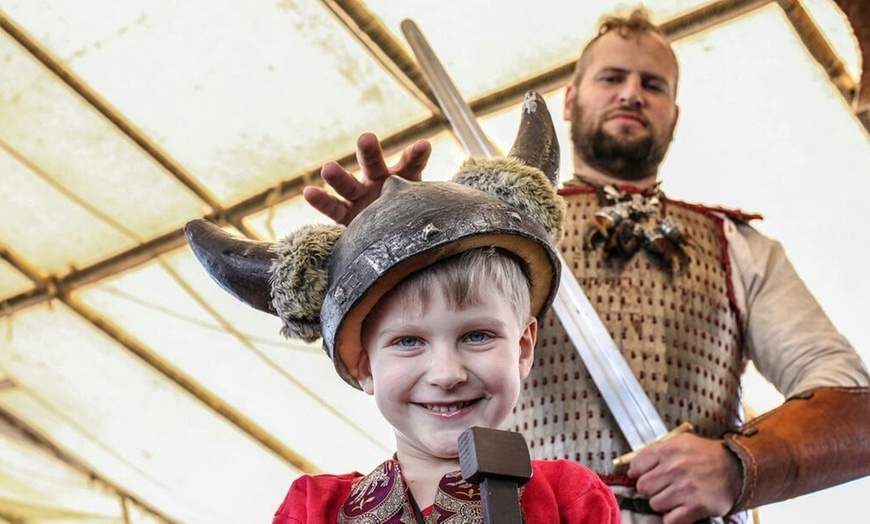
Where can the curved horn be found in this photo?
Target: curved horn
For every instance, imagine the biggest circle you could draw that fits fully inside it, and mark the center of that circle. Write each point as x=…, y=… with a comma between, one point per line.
x=536, y=144
x=240, y=266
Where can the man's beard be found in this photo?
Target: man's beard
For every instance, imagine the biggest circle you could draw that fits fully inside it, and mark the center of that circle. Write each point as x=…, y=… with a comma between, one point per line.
x=623, y=159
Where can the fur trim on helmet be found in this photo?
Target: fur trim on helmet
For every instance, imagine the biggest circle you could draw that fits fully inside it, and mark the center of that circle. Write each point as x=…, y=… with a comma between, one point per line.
x=300, y=278
x=521, y=186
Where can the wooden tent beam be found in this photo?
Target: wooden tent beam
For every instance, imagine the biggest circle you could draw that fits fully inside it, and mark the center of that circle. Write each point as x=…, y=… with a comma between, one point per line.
x=858, y=14
x=819, y=47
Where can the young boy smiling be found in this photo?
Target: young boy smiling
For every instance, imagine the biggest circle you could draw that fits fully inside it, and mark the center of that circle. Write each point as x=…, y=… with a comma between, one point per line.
x=445, y=350
x=428, y=301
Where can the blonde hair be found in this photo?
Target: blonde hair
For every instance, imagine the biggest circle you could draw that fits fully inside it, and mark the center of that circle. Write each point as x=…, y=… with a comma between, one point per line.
x=466, y=277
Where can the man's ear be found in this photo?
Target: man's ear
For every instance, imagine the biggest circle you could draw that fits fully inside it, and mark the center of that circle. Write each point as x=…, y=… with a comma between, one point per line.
x=527, y=347
x=364, y=373
x=570, y=95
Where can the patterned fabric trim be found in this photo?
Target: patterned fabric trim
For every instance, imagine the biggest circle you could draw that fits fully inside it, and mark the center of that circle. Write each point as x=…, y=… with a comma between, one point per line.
x=382, y=497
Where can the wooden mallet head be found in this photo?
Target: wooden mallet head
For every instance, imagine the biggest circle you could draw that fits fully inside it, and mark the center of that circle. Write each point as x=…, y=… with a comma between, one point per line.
x=499, y=461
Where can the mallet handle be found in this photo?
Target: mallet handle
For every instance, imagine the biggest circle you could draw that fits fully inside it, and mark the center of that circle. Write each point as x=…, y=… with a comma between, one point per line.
x=501, y=505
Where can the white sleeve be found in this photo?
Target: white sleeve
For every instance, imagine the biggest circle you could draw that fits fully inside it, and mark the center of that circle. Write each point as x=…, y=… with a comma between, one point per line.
x=787, y=334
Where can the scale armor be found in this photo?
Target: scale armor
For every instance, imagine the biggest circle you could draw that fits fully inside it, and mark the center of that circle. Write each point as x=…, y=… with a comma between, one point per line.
x=679, y=333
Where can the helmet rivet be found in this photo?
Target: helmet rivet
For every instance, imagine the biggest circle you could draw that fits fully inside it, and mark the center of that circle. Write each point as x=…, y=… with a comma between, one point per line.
x=429, y=230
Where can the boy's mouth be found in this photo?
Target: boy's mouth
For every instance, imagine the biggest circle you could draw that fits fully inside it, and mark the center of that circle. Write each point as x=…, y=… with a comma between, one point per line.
x=448, y=407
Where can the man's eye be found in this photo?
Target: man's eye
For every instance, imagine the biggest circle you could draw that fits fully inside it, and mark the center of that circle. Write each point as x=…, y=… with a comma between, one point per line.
x=610, y=79
x=654, y=86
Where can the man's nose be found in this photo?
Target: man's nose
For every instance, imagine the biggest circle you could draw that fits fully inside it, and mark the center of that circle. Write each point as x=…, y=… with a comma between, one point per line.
x=447, y=369
x=631, y=94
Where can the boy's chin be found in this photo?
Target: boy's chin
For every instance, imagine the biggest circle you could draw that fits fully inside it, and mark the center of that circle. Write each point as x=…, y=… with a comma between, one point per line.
x=443, y=446
x=446, y=449
x=439, y=443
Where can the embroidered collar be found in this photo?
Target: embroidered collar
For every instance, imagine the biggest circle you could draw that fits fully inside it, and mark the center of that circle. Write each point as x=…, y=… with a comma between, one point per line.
x=382, y=497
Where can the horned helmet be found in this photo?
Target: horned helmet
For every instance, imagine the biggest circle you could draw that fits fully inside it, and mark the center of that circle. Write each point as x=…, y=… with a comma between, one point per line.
x=323, y=280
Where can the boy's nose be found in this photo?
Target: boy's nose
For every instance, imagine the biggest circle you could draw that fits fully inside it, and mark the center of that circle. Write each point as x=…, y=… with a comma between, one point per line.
x=447, y=370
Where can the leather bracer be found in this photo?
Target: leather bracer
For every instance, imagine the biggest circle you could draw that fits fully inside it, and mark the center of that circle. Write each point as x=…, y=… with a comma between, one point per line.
x=815, y=440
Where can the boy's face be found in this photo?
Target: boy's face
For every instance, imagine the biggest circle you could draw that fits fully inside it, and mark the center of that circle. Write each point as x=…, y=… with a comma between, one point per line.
x=436, y=370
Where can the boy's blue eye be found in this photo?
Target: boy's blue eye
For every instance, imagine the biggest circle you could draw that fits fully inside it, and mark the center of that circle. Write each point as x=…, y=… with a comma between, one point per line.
x=407, y=342
x=478, y=336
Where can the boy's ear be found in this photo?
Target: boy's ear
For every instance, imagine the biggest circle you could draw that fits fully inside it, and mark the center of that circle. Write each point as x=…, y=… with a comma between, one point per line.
x=527, y=347
x=364, y=373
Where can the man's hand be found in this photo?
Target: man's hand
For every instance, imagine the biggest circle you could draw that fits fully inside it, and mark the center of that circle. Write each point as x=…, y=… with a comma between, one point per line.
x=355, y=195
x=687, y=478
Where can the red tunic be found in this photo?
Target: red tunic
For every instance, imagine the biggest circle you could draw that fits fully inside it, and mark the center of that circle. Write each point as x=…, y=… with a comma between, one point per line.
x=559, y=491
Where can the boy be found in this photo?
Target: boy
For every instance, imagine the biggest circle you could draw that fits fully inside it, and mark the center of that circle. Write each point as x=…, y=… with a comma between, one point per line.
x=446, y=350
x=428, y=301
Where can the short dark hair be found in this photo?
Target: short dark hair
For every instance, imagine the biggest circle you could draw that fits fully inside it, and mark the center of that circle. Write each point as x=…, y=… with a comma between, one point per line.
x=637, y=22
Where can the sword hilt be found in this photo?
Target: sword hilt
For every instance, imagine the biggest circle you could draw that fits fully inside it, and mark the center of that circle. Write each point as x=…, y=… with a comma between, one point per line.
x=623, y=461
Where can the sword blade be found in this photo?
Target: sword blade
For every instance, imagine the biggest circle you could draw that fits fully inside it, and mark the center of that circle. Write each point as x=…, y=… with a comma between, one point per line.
x=462, y=120
x=632, y=409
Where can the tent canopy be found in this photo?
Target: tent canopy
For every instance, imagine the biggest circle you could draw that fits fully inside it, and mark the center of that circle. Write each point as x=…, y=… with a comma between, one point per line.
x=133, y=389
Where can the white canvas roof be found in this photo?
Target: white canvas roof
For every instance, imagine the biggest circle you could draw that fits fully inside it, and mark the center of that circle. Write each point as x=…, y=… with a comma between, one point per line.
x=134, y=390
